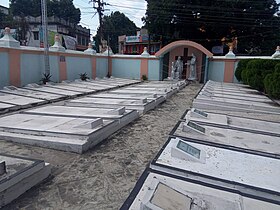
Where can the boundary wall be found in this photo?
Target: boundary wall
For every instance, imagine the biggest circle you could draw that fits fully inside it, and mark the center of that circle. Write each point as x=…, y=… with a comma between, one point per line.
x=24, y=65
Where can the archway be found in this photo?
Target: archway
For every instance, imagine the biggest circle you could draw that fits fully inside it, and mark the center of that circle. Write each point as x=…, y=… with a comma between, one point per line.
x=184, y=48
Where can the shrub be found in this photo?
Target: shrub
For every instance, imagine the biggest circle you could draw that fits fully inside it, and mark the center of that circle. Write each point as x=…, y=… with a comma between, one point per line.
x=272, y=83
x=276, y=82
x=83, y=76
x=268, y=84
x=244, y=76
x=46, y=78
x=144, y=77
x=242, y=64
x=256, y=72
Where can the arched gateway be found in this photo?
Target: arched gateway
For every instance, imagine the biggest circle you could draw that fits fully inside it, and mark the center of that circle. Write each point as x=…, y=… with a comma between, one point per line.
x=184, y=49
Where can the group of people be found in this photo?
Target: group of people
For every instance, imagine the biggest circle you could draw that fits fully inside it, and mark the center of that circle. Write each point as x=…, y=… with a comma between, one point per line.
x=177, y=68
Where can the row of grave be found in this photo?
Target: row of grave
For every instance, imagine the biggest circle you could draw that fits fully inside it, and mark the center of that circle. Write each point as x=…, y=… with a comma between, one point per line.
x=215, y=160
x=72, y=125
x=13, y=98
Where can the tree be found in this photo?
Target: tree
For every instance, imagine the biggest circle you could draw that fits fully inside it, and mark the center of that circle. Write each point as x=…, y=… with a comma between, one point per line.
x=64, y=9
x=208, y=22
x=114, y=25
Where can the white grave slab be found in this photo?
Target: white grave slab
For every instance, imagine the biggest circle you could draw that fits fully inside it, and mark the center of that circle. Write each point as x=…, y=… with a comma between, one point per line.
x=224, y=167
x=256, y=143
x=151, y=97
x=126, y=91
x=61, y=133
x=233, y=105
x=71, y=87
x=22, y=174
x=234, y=122
x=122, y=115
x=243, y=97
x=141, y=106
x=33, y=94
x=20, y=101
x=52, y=89
x=170, y=191
x=7, y=107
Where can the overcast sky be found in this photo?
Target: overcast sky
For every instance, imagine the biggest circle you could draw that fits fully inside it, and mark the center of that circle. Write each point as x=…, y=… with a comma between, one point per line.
x=133, y=9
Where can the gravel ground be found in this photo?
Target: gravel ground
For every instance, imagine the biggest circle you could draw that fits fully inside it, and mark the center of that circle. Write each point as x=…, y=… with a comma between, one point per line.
x=103, y=177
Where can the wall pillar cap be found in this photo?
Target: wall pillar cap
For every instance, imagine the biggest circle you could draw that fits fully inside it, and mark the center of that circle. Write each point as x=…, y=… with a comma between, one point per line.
x=277, y=53
x=90, y=50
x=230, y=54
x=57, y=45
x=145, y=52
x=7, y=40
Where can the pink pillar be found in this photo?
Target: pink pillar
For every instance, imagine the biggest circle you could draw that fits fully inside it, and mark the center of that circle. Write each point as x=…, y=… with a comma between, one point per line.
x=229, y=71
x=14, y=63
x=62, y=68
x=144, y=67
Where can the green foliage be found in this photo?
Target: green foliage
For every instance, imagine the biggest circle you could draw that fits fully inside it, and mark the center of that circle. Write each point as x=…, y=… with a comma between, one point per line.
x=144, y=77
x=64, y=9
x=268, y=84
x=207, y=22
x=256, y=71
x=244, y=77
x=114, y=25
x=272, y=83
x=46, y=78
x=242, y=64
x=83, y=76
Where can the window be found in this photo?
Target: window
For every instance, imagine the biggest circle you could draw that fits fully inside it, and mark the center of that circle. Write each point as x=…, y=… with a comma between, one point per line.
x=36, y=35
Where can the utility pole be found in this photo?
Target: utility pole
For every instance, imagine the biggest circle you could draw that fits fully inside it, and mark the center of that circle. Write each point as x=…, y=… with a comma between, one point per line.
x=45, y=36
x=99, y=6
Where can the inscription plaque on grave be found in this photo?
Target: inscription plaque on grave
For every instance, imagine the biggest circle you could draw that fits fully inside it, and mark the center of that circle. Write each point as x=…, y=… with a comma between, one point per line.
x=189, y=149
x=2, y=167
x=196, y=126
x=200, y=113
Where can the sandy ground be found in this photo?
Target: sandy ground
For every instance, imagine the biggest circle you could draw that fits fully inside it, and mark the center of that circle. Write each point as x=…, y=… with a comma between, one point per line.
x=103, y=177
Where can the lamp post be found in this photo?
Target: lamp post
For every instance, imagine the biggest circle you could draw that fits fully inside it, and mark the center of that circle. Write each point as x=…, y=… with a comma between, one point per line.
x=45, y=36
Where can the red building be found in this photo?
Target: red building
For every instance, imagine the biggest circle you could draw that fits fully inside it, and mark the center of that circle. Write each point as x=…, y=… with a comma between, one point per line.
x=134, y=45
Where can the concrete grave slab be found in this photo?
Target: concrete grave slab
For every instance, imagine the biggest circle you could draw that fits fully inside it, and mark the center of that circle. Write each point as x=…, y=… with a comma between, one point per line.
x=151, y=97
x=70, y=87
x=115, y=83
x=196, y=195
x=61, y=133
x=231, y=94
x=141, y=106
x=126, y=91
x=121, y=115
x=223, y=167
x=53, y=90
x=33, y=94
x=87, y=85
x=231, y=105
x=7, y=107
x=236, y=123
x=255, y=143
x=243, y=97
x=21, y=175
x=20, y=101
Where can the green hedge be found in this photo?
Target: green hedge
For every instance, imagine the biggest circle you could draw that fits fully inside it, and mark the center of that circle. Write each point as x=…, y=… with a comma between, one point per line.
x=255, y=72
x=242, y=64
x=272, y=83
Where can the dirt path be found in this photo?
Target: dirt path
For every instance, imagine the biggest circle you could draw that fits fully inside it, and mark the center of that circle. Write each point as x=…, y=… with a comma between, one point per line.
x=103, y=177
